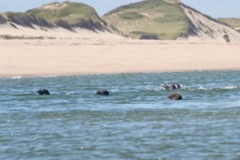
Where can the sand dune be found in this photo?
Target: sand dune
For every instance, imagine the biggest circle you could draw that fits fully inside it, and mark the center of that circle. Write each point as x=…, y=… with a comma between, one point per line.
x=209, y=30
x=61, y=52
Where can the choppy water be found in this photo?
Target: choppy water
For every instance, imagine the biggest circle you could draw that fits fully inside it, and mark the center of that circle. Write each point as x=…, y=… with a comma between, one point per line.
x=137, y=121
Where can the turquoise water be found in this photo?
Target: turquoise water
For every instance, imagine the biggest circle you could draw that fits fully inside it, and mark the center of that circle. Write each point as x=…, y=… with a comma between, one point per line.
x=137, y=120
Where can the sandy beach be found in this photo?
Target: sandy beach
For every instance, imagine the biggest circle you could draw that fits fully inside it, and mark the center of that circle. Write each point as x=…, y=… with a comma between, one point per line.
x=60, y=52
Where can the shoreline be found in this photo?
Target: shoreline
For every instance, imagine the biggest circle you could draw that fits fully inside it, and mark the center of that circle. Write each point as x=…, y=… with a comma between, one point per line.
x=114, y=73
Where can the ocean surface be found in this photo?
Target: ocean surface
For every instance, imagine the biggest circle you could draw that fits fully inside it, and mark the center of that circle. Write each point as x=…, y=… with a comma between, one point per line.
x=136, y=121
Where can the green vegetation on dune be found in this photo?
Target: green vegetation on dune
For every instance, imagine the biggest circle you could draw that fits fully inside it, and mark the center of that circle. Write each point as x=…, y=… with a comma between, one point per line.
x=131, y=16
x=167, y=20
x=67, y=15
x=233, y=22
x=2, y=19
x=67, y=11
x=157, y=19
x=24, y=19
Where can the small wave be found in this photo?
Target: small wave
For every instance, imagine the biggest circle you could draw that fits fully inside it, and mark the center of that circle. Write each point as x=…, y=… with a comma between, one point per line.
x=71, y=93
x=162, y=88
x=46, y=76
x=153, y=88
x=230, y=87
x=204, y=89
x=16, y=77
x=188, y=88
x=218, y=88
x=23, y=95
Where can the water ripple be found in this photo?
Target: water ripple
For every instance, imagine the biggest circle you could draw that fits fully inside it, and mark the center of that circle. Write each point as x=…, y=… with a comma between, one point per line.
x=137, y=120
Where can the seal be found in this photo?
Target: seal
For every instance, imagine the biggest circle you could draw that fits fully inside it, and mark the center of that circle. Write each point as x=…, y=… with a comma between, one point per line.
x=43, y=92
x=175, y=96
x=102, y=92
x=171, y=86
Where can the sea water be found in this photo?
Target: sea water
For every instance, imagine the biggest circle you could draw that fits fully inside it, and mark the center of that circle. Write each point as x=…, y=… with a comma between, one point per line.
x=136, y=121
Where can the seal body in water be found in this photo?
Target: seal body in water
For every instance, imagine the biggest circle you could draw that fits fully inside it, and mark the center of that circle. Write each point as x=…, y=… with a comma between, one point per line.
x=102, y=92
x=43, y=92
x=175, y=96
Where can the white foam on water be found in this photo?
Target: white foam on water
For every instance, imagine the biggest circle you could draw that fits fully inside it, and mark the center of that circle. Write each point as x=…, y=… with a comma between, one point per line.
x=16, y=77
x=230, y=87
x=46, y=76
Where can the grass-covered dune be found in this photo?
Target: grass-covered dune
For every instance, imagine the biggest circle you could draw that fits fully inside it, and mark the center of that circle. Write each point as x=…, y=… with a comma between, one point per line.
x=148, y=19
x=165, y=19
x=24, y=19
x=68, y=15
x=2, y=20
x=233, y=22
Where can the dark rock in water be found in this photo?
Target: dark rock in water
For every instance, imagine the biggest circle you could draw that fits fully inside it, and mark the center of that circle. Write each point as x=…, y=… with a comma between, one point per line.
x=43, y=92
x=175, y=96
x=102, y=92
x=171, y=86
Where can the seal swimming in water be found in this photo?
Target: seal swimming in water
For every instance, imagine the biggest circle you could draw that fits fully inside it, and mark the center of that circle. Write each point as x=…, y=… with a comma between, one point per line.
x=102, y=92
x=43, y=92
x=175, y=96
x=171, y=86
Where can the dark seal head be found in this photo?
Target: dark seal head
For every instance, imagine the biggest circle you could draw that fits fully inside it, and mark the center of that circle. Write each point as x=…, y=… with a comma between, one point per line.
x=175, y=97
x=171, y=86
x=102, y=92
x=43, y=92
